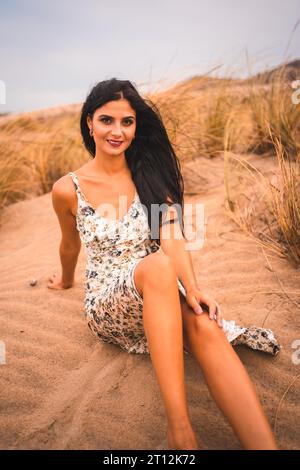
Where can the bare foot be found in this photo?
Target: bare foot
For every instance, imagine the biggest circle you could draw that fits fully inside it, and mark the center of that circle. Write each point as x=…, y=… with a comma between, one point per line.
x=183, y=440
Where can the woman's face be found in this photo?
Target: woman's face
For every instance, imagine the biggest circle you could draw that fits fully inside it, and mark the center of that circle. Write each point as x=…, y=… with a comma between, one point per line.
x=114, y=121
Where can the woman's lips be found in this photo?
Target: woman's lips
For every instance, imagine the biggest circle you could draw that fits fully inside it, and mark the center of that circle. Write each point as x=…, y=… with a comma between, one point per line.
x=115, y=143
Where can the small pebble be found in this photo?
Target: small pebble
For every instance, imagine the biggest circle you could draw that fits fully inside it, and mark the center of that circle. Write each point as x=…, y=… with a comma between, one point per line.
x=33, y=282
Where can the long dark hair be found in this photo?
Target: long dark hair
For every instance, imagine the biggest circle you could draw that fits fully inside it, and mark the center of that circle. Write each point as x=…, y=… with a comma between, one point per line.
x=154, y=166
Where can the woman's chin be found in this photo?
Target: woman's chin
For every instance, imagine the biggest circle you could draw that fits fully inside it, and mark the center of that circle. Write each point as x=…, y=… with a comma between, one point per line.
x=113, y=152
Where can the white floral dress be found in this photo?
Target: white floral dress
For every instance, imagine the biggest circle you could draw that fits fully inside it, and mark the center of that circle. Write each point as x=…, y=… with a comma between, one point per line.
x=113, y=305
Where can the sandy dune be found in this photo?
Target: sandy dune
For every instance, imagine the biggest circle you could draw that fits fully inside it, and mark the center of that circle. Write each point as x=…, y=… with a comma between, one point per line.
x=63, y=389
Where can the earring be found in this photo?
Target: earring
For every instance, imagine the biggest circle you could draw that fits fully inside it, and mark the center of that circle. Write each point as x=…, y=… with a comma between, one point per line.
x=91, y=132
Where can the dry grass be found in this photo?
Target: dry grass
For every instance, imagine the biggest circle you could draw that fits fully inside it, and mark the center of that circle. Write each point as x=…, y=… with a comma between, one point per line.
x=197, y=117
x=266, y=207
x=204, y=117
x=274, y=115
x=35, y=152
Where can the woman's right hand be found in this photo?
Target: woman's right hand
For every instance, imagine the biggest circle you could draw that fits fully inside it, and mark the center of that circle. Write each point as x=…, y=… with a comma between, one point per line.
x=55, y=282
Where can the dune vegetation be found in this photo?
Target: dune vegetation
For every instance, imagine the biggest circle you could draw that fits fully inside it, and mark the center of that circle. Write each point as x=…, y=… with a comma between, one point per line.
x=206, y=118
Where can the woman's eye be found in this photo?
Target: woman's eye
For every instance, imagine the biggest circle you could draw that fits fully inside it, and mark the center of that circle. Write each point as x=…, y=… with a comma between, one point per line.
x=127, y=121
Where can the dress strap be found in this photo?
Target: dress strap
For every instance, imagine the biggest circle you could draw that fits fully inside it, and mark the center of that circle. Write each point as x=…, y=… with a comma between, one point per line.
x=80, y=196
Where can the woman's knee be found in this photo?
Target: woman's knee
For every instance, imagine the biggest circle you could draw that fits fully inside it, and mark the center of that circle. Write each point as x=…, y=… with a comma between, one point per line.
x=159, y=269
x=202, y=326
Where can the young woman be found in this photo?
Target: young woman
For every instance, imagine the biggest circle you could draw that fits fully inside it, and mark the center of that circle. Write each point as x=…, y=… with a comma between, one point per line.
x=141, y=291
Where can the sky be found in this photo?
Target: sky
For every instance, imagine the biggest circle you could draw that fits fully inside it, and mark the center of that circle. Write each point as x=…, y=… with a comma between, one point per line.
x=53, y=52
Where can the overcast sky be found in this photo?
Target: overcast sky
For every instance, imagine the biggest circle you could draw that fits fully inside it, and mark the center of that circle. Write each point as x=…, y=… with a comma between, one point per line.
x=52, y=52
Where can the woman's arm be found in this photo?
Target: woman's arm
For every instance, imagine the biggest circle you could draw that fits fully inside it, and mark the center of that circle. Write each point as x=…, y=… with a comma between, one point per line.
x=68, y=261
x=70, y=244
x=174, y=245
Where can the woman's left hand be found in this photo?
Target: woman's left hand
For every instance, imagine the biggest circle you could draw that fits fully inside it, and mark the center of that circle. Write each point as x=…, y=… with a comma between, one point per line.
x=195, y=296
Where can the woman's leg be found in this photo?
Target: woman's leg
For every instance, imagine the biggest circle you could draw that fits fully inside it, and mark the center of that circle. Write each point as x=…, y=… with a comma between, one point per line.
x=155, y=279
x=227, y=379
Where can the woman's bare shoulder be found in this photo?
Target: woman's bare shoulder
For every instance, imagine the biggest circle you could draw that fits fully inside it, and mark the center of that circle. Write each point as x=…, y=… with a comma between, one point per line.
x=63, y=190
x=63, y=193
x=63, y=186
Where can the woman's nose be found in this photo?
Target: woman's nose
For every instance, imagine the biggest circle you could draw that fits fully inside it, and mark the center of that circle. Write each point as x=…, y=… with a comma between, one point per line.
x=116, y=130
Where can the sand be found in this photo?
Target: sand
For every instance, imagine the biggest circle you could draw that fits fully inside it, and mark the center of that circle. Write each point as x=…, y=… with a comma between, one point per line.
x=61, y=388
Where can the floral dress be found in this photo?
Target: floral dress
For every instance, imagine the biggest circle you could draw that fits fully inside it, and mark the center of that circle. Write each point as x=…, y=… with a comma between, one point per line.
x=113, y=305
